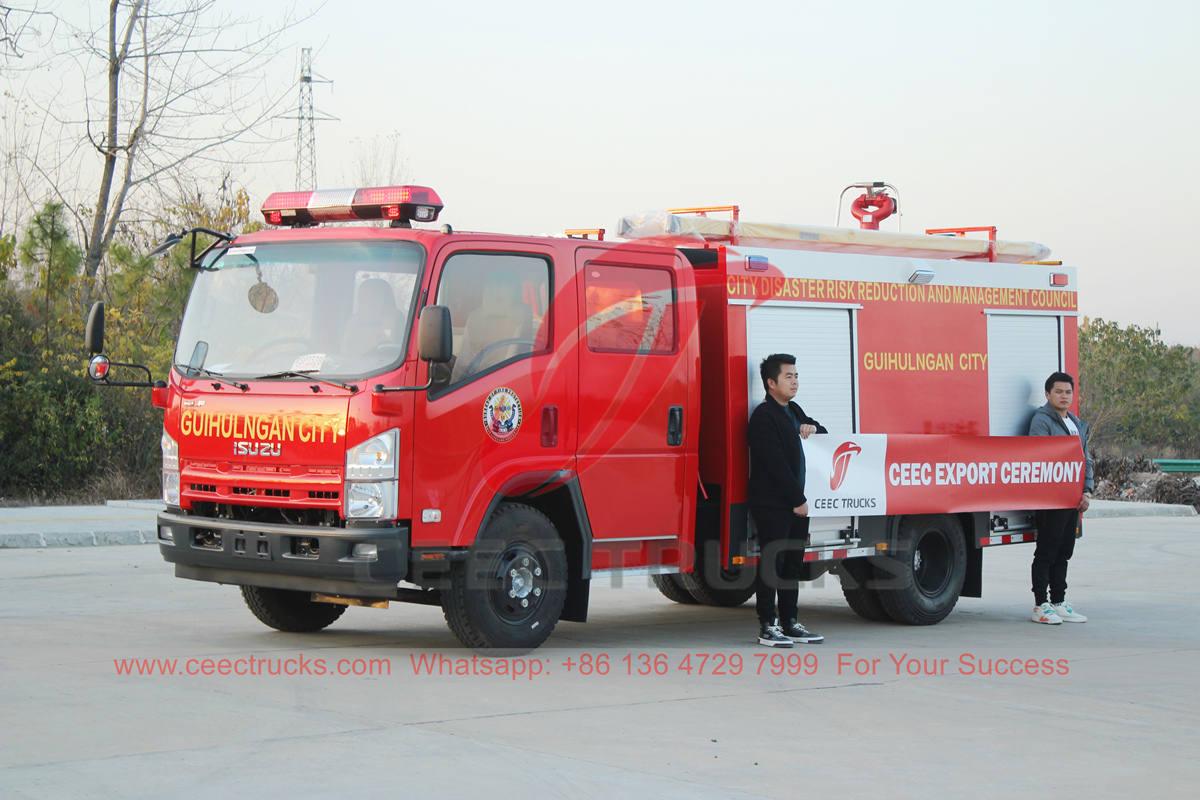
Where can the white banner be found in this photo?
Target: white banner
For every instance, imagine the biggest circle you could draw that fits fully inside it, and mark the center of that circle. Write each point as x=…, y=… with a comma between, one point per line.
x=845, y=474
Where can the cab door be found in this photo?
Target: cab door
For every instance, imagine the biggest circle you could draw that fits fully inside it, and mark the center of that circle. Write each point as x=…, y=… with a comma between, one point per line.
x=499, y=409
x=636, y=367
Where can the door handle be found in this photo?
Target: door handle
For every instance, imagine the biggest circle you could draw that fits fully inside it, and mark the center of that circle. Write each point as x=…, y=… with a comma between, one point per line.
x=550, y=426
x=675, y=426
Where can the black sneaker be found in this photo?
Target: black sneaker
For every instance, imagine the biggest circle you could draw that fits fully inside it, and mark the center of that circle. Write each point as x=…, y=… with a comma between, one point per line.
x=798, y=633
x=769, y=635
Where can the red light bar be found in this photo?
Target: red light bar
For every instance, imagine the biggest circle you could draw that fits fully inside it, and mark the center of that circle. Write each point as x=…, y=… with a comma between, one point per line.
x=1059, y=279
x=398, y=203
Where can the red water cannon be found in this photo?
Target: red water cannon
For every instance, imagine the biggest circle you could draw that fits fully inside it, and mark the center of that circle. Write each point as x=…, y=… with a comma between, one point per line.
x=873, y=206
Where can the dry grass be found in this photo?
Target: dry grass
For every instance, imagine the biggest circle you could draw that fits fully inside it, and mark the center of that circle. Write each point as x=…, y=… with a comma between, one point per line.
x=110, y=485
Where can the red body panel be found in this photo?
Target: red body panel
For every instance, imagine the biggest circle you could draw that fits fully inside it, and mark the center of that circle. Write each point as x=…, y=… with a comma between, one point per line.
x=634, y=483
x=292, y=443
x=458, y=468
x=921, y=350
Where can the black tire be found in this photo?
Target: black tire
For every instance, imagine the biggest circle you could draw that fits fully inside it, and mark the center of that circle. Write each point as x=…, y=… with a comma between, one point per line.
x=292, y=612
x=672, y=588
x=856, y=575
x=519, y=557
x=926, y=575
x=725, y=590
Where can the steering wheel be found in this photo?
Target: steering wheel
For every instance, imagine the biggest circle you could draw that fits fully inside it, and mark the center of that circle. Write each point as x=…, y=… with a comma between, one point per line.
x=474, y=365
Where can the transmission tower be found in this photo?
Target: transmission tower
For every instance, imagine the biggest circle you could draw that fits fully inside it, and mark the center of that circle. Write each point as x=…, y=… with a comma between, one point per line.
x=306, y=128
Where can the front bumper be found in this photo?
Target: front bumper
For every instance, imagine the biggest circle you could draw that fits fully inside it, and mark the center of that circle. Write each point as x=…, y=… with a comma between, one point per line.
x=269, y=555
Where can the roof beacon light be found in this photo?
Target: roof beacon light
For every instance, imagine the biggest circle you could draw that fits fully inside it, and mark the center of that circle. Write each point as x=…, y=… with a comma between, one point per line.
x=401, y=204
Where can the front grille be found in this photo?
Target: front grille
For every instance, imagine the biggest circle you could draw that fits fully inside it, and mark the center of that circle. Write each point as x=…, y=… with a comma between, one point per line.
x=203, y=487
x=323, y=495
x=250, y=491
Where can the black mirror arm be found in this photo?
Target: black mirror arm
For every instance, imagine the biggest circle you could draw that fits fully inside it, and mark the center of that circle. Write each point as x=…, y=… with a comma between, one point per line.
x=220, y=239
x=379, y=387
x=149, y=382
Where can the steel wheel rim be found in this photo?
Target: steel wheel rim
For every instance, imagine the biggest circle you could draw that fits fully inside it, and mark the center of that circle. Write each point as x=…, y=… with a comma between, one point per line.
x=519, y=587
x=932, y=562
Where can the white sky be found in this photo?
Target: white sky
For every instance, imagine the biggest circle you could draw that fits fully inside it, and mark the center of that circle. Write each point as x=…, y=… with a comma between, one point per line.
x=1068, y=123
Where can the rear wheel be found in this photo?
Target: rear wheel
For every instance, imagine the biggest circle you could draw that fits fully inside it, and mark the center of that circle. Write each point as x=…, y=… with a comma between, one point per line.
x=509, y=591
x=927, y=572
x=856, y=575
x=672, y=588
x=293, y=612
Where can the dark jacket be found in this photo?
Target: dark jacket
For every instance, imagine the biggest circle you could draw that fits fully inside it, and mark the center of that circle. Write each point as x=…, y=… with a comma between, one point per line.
x=1047, y=422
x=776, y=458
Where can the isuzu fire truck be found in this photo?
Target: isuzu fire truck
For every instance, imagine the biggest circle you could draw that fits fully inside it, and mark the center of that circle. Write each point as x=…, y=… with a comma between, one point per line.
x=363, y=414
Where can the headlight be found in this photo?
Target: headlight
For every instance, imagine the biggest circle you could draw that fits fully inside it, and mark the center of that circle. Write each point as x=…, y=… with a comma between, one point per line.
x=375, y=500
x=374, y=459
x=170, y=452
x=170, y=471
x=372, y=469
x=170, y=486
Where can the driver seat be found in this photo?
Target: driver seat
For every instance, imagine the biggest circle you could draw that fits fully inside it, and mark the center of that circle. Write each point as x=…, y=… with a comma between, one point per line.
x=374, y=319
x=495, y=321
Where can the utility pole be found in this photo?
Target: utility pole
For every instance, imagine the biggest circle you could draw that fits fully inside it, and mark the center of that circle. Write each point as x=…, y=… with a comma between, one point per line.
x=306, y=118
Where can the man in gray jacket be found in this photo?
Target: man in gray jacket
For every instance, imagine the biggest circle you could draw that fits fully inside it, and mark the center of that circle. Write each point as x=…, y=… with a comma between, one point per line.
x=1056, y=527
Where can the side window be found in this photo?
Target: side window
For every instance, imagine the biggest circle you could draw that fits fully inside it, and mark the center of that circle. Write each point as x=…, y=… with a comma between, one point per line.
x=499, y=309
x=630, y=309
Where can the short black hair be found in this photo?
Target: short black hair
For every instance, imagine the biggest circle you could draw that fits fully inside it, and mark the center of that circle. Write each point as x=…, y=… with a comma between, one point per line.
x=1059, y=377
x=771, y=365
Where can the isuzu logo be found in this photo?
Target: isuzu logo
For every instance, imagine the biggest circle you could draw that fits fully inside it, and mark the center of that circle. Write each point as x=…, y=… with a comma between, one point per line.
x=271, y=449
x=841, y=463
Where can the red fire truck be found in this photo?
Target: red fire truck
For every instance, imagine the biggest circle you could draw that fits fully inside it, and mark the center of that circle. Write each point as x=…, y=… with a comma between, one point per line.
x=366, y=414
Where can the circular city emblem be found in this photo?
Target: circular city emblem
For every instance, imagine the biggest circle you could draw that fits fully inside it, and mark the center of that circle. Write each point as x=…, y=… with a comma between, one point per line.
x=502, y=414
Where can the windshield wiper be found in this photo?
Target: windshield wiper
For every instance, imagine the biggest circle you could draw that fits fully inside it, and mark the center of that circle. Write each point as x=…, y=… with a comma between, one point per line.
x=309, y=374
x=191, y=372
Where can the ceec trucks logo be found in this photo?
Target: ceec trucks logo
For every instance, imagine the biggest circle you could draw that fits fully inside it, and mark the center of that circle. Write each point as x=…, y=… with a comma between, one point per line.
x=841, y=463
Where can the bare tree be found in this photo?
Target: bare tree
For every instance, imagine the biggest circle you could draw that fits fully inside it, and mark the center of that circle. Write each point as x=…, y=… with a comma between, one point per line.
x=171, y=88
x=378, y=160
x=15, y=22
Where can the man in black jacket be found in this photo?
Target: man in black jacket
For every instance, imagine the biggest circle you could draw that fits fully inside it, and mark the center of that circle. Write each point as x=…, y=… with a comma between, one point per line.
x=777, y=501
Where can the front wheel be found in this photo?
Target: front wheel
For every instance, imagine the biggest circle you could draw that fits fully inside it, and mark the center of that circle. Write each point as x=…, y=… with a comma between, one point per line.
x=509, y=591
x=720, y=588
x=926, y=575
x=672, y=588
x=292, y=612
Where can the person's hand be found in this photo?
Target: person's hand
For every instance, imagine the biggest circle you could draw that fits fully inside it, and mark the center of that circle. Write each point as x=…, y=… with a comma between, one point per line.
x=801, y=510
x=807, y=431
x=1084, y=503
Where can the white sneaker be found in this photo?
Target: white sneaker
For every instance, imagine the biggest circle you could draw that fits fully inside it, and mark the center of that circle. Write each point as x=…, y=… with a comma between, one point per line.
x=1046, y=615
x=1068, y=614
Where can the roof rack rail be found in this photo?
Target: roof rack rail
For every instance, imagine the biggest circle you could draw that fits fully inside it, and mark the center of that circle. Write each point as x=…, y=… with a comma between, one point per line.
x=584, y=233
x=704, y=211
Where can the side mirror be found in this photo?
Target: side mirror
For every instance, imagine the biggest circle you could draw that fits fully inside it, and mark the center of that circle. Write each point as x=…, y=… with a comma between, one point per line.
x=93, y=338
x=98, y=368
x=435, y=342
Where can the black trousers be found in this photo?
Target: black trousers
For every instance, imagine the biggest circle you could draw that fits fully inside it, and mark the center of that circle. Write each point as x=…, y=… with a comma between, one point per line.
x=782, y=537
x=1055, y=544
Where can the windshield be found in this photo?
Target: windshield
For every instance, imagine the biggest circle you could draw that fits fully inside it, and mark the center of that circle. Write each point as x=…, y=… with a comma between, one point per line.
x=337, y=309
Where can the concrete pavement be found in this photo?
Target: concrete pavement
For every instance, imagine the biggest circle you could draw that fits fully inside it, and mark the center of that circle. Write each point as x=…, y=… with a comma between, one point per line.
x=120, y=522
x=1119, y=722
